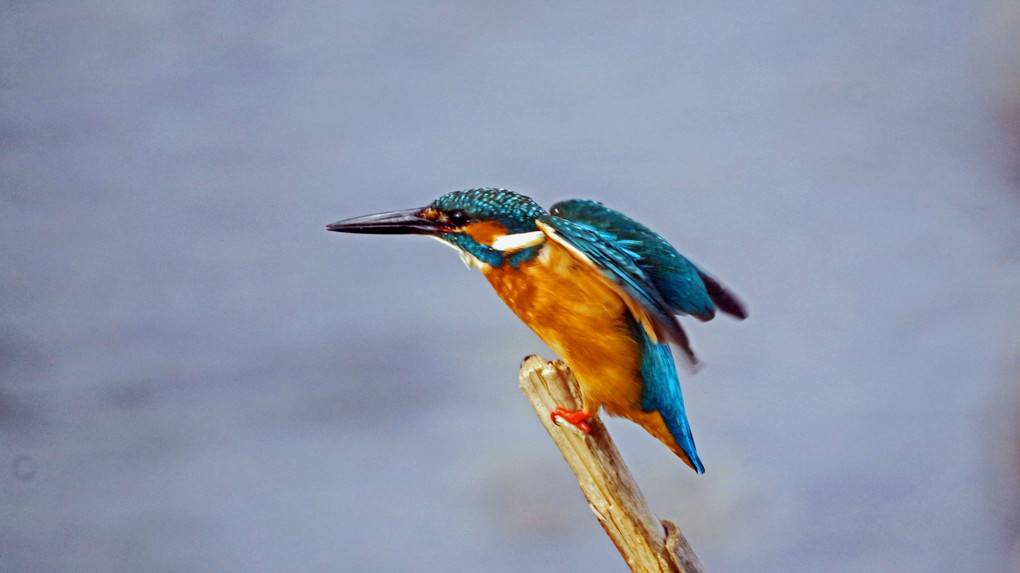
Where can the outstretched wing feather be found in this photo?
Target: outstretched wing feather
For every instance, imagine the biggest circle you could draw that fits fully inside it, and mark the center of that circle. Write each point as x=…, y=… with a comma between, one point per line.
x=621, y=271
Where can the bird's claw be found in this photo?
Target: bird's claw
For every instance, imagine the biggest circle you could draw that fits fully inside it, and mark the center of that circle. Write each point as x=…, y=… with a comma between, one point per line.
x=578, y=419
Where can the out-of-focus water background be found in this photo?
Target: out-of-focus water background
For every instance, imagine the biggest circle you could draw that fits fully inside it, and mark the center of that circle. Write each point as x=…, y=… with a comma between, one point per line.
x=195, y=376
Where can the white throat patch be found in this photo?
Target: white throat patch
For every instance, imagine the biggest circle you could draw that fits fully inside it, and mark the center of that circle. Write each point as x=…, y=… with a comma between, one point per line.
x=469, y=259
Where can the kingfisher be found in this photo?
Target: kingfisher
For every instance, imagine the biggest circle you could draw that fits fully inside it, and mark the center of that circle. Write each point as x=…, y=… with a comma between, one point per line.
x=601, y=289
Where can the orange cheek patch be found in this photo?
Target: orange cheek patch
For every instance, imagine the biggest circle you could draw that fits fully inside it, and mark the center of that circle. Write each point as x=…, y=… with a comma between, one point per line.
x=485, y=232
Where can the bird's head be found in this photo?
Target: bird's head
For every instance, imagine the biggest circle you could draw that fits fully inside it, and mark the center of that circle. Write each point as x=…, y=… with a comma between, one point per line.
x=489, y=226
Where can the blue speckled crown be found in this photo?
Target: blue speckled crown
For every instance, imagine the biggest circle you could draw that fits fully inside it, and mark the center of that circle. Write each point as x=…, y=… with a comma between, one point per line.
x=514, y=211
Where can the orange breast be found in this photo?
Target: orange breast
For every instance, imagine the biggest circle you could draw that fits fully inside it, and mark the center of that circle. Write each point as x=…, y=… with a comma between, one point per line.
x=578, y=314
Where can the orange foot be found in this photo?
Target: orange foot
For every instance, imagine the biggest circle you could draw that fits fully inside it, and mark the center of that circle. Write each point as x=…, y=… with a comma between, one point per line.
x=578, y=418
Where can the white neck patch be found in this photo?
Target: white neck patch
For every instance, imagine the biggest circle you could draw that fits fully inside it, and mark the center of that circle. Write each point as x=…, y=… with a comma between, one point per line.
x=518, y=241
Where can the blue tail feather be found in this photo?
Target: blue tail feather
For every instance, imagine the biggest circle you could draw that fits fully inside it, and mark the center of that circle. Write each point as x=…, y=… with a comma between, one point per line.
x=662, y=393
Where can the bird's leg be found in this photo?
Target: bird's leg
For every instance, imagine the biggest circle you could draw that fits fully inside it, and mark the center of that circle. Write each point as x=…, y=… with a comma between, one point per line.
x=578, y=418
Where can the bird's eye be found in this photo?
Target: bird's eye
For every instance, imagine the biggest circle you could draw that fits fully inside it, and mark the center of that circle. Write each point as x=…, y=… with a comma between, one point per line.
x=458, y=218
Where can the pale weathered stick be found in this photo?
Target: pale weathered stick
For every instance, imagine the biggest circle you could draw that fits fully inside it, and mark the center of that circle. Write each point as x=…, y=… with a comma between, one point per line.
x=647, y=545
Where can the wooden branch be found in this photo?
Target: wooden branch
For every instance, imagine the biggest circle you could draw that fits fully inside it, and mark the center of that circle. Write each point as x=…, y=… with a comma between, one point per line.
x=646, y=544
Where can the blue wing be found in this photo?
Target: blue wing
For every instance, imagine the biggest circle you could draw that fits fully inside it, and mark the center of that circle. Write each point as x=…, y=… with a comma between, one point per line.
x=618, y=266
x=661, y=393
x=685, y=287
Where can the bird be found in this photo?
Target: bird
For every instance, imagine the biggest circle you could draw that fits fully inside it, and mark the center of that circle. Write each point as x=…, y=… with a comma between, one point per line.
x=602, y=290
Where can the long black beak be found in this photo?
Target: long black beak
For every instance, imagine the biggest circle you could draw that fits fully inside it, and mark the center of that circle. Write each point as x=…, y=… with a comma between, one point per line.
x=406, y=222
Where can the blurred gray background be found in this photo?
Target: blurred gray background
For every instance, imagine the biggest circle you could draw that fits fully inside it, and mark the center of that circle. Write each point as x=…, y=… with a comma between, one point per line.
x=195, y=376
